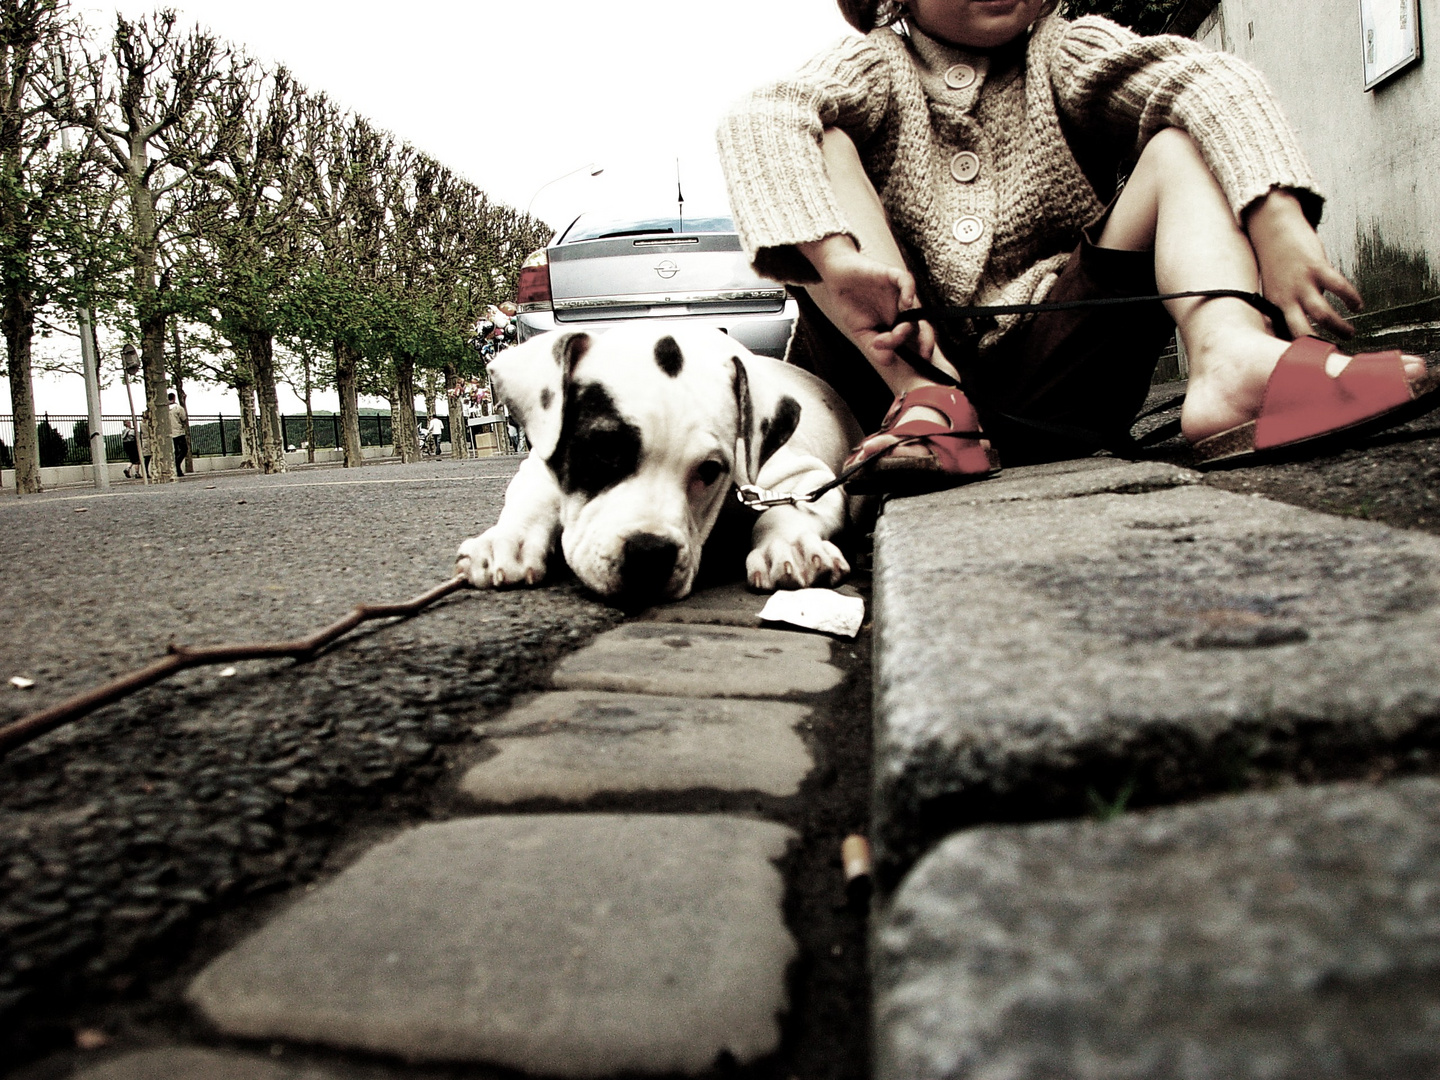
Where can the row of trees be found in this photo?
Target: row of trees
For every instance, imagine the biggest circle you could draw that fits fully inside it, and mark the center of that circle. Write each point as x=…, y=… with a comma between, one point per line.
x=215, y=213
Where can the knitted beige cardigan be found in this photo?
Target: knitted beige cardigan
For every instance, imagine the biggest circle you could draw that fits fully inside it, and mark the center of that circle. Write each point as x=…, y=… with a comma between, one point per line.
x=918, y=109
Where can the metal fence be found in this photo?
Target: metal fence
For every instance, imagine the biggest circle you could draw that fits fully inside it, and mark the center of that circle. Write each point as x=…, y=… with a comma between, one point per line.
x=65, y=440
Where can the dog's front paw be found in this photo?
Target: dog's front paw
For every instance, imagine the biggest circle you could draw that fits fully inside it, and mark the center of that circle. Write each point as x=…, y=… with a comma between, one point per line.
x=500, y=558
x=795, y=562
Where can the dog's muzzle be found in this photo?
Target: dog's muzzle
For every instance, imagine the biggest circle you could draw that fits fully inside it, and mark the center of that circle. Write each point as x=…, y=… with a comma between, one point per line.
x=647, y=562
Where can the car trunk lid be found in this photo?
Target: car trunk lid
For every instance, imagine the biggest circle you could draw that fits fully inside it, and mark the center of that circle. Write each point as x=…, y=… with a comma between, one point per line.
x=654, y=276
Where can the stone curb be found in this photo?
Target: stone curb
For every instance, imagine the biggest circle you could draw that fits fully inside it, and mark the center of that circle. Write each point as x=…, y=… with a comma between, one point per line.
x=1280, y=936
x=1052, y=648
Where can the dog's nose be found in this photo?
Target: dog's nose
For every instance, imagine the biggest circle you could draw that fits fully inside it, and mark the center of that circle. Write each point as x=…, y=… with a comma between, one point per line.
x=646, y=565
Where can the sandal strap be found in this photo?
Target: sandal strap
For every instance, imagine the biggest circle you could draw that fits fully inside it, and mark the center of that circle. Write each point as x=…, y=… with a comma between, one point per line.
x=1302, y=401
x=949, y=401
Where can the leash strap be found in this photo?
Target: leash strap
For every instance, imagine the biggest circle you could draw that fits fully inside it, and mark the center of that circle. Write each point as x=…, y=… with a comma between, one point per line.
x=948, y=314
x=760, y=499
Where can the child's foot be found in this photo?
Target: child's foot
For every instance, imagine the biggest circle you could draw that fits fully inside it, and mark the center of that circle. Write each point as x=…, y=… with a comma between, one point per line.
x=927, y=441
x=1228, y=381
x=883, y=438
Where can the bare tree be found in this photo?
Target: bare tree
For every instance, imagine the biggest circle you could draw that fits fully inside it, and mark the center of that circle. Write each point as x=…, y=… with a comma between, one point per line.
x=346, y=160
x=42, y=191
x=156, y=135
x=246, y=219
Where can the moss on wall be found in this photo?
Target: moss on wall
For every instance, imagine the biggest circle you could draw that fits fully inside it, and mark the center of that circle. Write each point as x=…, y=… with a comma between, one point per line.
x=1388, y=275
x=1402, y=296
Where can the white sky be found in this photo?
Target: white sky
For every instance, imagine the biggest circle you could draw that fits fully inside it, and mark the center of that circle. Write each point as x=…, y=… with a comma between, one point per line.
x=512, y=95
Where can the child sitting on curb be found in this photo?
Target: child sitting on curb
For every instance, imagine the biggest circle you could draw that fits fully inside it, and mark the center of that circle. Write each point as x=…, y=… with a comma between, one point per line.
x=967, y=152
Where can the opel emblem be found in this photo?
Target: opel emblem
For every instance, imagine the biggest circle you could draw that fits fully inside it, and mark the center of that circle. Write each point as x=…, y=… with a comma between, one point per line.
x=667, y=269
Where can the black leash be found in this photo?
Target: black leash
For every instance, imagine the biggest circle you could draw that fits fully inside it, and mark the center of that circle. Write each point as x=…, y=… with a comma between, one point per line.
x=948, y=314
x=757, y=498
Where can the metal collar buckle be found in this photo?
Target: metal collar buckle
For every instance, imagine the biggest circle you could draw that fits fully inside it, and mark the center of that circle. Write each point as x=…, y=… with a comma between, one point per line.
x=758, y=498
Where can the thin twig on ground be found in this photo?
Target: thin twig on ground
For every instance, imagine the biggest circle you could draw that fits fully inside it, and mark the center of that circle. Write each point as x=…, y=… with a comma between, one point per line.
x=182, y=657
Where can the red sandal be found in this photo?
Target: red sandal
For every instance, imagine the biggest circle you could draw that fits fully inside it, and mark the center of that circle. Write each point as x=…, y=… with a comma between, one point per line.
x=958, y=451
x=1303, y=404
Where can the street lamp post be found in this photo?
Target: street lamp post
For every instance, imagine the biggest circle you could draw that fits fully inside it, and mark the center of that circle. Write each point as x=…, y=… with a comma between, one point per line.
x=129, y=366
x=592, y=168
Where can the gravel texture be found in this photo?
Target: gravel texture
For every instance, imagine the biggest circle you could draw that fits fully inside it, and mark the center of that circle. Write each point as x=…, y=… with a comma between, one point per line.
x=121, y=833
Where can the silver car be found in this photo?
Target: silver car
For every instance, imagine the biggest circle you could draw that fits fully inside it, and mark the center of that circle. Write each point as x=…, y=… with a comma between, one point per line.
x=605, y=269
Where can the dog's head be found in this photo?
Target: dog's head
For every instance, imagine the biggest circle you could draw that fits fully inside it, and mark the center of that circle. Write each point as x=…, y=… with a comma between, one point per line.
x=645, y=428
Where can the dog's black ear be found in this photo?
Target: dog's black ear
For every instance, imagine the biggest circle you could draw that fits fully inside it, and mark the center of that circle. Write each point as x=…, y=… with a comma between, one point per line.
x=531, y=378
x=568, y=352
x=745, y=467
x=764, y=423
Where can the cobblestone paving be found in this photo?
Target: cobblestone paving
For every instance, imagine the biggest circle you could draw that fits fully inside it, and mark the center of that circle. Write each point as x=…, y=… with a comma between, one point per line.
x=1099, y=640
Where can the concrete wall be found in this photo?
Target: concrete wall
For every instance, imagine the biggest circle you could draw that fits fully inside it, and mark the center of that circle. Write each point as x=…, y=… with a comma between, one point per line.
x=1376, y=153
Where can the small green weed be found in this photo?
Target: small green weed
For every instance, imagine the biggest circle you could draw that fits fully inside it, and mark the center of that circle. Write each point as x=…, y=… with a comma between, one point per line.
x=1101, y=810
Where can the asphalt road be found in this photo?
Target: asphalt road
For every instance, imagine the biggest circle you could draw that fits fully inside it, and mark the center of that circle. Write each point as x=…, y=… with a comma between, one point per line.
x=125, y=834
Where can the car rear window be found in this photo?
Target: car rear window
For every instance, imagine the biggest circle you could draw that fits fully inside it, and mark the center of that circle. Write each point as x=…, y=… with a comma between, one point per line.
x=598, y=228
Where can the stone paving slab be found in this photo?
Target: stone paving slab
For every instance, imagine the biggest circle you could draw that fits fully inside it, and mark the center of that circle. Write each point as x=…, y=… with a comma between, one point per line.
x=195, y=1063
x=1033, y=658
x=563, y=945
x=575, y=744
x=724, y=605
x=1287, y=936
x=701, y=661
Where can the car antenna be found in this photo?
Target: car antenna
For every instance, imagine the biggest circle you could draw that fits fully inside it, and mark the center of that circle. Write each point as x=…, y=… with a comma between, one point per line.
x=679, y=195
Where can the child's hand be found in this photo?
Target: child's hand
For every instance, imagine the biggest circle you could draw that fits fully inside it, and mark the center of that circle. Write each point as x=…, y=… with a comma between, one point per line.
x=864, y=297
x=1294, y=272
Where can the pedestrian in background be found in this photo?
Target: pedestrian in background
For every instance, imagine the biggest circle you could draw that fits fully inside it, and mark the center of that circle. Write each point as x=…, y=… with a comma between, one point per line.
x=131, y=445
x=179, y=433
x=147, y=440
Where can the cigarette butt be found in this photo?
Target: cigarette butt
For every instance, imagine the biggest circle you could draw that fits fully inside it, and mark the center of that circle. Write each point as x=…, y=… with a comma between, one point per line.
x=21, y=683
x=855, y=857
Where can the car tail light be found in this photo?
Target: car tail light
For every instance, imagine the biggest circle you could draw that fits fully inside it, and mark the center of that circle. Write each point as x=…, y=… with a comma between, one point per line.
x=533, y=291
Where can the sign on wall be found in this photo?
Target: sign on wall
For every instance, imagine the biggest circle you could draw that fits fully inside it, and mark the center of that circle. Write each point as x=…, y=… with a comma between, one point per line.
x=1390, y=36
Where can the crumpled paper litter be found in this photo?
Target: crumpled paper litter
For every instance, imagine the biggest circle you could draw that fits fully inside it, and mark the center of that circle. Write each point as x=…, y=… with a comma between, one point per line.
x=825, y=610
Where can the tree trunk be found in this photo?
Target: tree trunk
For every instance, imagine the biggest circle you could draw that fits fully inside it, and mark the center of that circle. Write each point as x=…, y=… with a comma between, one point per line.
x=19, y=319
x=346, y=360
x=432, y=393
x=249, y=438
x=459, y=433
x=157, y=404
x=151, y=317
x=272, y=435
x=403, y=410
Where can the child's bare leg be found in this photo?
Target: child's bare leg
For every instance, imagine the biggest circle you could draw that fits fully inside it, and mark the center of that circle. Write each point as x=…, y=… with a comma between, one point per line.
x=1173, y=205
x=866, y=215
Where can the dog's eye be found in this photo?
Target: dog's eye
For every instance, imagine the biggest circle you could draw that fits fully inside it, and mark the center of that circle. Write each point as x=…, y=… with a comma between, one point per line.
x=707, y=472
